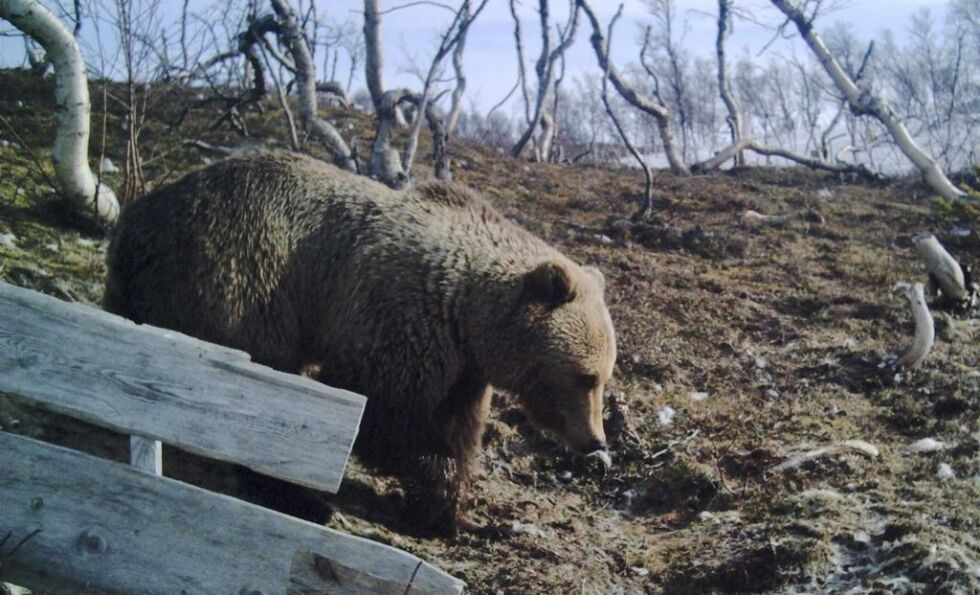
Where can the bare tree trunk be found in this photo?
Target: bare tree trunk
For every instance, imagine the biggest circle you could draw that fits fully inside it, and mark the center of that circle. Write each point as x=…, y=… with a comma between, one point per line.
x=647, y=204
x=545, y=69
x=862, y=101
x=385, y=164
x=318, y=128
x=381, y=153
x=457, y=96
x=374, y=61
x=522, y=74
x=724, y=88
x=70, y=154
x=645, y=104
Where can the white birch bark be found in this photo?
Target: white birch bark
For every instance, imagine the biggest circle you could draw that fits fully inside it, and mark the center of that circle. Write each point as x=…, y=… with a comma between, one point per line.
x=943, y=266
x=645, y=104
x=315, y=126
x=70, y=154
x=862, y=101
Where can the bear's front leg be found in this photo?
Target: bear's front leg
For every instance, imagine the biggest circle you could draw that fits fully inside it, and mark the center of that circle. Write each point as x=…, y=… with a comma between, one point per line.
x=435, y=491
x=437, y=480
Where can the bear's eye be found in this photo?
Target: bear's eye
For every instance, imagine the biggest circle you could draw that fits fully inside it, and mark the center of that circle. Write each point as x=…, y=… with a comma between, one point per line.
x=588, y=381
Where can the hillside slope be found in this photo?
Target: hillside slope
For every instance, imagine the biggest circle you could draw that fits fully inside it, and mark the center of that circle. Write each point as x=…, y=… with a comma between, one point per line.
x=739, y=347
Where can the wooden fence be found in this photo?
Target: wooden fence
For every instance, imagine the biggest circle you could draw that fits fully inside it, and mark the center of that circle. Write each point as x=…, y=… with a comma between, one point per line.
x=97, y=525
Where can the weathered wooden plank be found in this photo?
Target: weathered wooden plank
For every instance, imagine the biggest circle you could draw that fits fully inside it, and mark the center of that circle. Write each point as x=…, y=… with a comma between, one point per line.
x=161, y=385
x=111, y=528
x=146, y=455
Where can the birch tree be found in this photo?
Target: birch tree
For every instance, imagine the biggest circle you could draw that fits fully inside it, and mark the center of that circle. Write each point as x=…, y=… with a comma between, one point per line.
x=70, y=154
x=724, y=86
x=644, y=103
x=865, y=102
x=545, y=70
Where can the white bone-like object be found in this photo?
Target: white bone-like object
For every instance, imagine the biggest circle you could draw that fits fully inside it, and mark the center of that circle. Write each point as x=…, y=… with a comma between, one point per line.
x=925, y=330
x=942, y=265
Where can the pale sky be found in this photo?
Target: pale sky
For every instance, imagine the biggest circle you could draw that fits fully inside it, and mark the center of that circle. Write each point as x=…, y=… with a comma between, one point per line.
x=490, y=58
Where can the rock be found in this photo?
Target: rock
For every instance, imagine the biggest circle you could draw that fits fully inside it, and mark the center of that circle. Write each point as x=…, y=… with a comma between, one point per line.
x=666, y=415
x=923, y=446
x=530, y=529
x=945, y=473
x=107, y=166
x=565, y=476
x=824, y=193
x=7, y=241
x=603, y=239
x=698, y=395
x=639, y=571
x=52, y=247
x=719, y=518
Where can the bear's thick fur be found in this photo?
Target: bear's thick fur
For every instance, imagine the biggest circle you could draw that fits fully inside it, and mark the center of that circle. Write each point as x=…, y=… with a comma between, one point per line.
x=420, y=300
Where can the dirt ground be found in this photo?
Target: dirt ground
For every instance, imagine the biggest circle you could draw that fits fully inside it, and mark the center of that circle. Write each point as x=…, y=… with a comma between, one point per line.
x=739, y=347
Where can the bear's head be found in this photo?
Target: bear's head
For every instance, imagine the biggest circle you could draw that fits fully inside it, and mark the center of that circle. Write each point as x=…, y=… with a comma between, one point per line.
x=556, y=351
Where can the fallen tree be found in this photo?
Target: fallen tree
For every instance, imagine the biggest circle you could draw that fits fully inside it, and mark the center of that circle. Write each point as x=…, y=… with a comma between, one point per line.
x=748, y=144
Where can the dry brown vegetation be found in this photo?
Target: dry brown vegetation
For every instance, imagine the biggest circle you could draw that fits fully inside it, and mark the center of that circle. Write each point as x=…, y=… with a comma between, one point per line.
x=764, y=341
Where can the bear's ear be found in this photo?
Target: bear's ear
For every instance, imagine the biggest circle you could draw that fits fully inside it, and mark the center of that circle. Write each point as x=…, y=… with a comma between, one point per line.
x=550, y=283
x=597, y=274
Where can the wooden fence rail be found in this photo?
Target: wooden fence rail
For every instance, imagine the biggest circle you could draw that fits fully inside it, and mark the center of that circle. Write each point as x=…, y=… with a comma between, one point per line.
x=101, y=526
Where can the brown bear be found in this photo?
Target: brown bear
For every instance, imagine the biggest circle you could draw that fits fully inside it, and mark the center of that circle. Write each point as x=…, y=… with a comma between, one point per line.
x=421, y=300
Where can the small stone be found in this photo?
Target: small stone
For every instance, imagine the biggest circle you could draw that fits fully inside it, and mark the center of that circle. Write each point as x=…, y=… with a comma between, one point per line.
x=639, y=571
x=565, y=476
x=923, y=446
x=824, y=193
x=945, y=473
x=603, y=239
x=666, y=415
x=52, y=247
x=772, y=393
x=7, y=241
x=530, y=529
x=698, y=395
